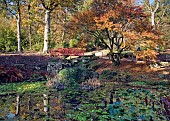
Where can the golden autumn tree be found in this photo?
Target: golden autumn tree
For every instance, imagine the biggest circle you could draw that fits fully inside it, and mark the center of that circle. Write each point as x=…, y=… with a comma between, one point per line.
x=32, y=24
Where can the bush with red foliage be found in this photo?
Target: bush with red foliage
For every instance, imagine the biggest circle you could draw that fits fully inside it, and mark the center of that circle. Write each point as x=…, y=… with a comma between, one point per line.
x=10, y=74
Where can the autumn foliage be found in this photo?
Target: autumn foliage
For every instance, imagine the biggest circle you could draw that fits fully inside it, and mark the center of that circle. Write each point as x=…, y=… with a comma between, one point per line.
x=10, y=74
x=120, y=26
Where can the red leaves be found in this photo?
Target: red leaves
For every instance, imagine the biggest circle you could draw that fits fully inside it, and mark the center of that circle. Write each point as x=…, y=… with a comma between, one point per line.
x=10, y=74
x=67, y=51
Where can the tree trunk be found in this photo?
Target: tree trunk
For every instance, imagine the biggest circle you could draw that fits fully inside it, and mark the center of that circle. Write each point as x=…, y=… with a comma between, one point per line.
x=19, y=31
x=46, y=31
x=153, y=18
x=63, y=34
x=30, y=31
x=30, y=28
x=17, y=105
x=29, y=102
x=46, y=109
x=115, y=58
x=46, y=106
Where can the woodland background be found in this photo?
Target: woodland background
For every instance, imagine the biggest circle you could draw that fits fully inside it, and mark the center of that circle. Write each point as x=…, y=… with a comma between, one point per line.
x=31, y=25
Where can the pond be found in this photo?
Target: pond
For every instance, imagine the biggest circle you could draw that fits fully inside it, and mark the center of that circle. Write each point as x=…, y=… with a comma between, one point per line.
x=112, y=101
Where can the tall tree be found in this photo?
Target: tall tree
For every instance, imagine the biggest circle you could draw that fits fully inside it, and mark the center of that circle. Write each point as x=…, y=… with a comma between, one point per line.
x=29, y=18
x=152, y=8
x=162, y=21
x=13, y=7
x=159, y=11
x=32, y=24
x=48, y=5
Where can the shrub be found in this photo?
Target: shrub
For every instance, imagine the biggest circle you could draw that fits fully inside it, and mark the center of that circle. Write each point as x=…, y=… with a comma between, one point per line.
x=37, y=42
x=37, y=47
x=65, y=44
x=72, y=74
x=7, y=39
x=73, y=43
x=52, y=44
x=90, y=46
x=10, y=74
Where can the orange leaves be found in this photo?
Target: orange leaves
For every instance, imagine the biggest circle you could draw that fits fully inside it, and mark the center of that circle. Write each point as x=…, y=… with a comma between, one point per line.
x=150, y=40
x=142, y=25
x=131, y=35
x=147, y=34
x=145, y=37
x=113, y=14
x=101, y=25
x=100, y=19
x=108, y=21
x=148, y=43
x=146, y=55
x=83, y=19
x=83, y=43
x=151, y=35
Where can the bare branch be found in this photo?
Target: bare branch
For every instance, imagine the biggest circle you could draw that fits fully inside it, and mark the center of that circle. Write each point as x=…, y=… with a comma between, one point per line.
x=157, y=6
x=148, y=6
x=107, y=32
x=51, y=7
x=102, y=40
x=8, y=9
x=43, y=4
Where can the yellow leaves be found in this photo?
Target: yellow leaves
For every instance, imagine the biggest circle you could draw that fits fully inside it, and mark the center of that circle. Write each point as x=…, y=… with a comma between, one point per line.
x=40, y=30
x=34, y=3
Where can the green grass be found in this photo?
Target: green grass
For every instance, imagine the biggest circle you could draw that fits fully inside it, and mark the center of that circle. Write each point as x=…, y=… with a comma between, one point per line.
x=22, y=87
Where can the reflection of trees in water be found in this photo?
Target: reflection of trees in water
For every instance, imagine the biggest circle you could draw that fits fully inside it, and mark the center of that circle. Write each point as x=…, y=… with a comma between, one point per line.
x=31, y=106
